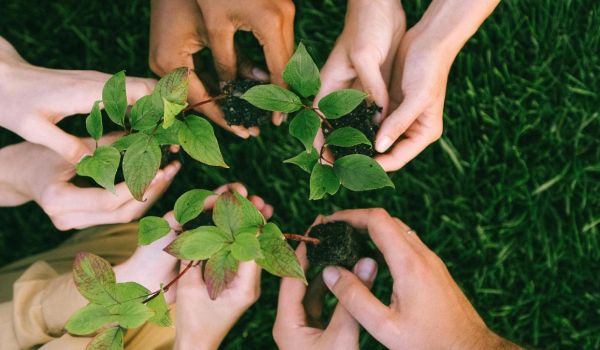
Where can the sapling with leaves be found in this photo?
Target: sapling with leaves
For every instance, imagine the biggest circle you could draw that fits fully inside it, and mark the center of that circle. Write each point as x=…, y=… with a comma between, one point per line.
x=346, y=119
x=158, y=119
x=236, y=232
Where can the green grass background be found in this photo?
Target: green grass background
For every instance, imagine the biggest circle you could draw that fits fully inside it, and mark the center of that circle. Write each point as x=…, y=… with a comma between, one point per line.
x=509, y=198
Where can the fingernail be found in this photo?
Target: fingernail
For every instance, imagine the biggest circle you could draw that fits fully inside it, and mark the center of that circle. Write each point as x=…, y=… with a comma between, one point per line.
x=260, y=74
x=383, y=144
x=365, y=269
x=254, y=131
x=331, y=275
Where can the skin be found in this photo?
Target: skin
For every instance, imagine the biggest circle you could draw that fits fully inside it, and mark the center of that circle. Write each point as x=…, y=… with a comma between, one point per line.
x=425, y=299
x=299, y=311
x=34, y=99
x=211, y=23
x=35, y=173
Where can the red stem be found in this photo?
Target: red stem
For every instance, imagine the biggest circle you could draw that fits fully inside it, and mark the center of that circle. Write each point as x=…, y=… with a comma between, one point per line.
x=216, y=98
x=323, y=118
x=300, y=238
x=170, y=284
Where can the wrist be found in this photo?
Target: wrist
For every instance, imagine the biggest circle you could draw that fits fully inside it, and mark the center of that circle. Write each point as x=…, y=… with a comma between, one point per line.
x=486, y=339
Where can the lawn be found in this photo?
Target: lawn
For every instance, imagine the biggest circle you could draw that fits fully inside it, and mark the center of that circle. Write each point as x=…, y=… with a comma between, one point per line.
x=509, y=197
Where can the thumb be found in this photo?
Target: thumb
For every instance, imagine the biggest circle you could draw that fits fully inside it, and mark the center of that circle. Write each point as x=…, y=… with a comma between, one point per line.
x=71, y=148
x=356, y=298
x=398, y=122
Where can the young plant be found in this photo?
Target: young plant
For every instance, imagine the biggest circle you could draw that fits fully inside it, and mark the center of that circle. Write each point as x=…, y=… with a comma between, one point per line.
x=357, y=172
x=155, y=120
x=239, y=233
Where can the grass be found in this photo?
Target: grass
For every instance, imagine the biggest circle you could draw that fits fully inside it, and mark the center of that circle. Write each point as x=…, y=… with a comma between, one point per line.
x=509, y=197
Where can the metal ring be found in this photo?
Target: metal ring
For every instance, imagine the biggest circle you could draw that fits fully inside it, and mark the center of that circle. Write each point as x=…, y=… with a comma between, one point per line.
x=411, y=231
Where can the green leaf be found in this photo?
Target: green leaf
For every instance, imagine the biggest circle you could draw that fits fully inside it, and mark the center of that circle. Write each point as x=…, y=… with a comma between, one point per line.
x=190, y=204
x=232, y=212
x=197, y=138
x=152, y=228
x=114, y=98
x=94, y=279
x=174, y=86
x=109, y=339
x=126, y=141
x=89, y=319
x=171, y=110
x=146, y=112
x=93, y=122
x=278, y=257
x=304, y=127
x=219, y=270
x=199, y=243
x=246, y=246
x=131, y=314
x=130, y=291
x=306, y=161
x=160, y=308
x=169, y=136
x=273, y=98
x=140, y=164
x=358, y=172
x=347, y=137
x=101, y=166
x=302, y=73
x=341, y=102
x=323, y=181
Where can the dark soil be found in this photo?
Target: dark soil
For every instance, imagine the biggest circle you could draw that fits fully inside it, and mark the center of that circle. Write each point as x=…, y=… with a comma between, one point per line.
x=340, y=245
x=360, y=118
x=238, y=111
x=204, y=219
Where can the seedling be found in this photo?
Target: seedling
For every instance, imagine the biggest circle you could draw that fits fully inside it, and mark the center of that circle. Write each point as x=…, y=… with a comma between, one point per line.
x=357, y=172
x=155, y=120
x=235, y=232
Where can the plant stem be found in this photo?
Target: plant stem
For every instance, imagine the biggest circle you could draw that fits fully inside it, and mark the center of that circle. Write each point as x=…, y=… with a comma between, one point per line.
x=300, y=238
x=216, y=98
x=326, y=122
x=170, y=284
x=323, y=157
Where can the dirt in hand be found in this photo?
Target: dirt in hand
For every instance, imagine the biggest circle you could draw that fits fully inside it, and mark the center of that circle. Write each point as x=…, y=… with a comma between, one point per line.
x=360, y=118
x=238, y=111
x=340, y=245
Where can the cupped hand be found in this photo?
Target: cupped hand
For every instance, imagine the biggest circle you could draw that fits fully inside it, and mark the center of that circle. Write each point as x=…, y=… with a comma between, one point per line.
x=213, y=24
x=37, y=173
x=425, y=301
x=417, y=93
x=34, y=99
x=298, y=322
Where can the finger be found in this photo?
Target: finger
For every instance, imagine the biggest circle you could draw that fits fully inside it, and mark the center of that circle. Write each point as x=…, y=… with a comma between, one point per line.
x=209, y=203
x=398, y=122
x=69, y=197
x=384, y=232
x=313, y=301
x=192, y=278
x=342, y=321
x=71, y=148
x=371, y=79
x=403, y=152
x=247, y=69
x=290, y=311
x=337, y=73
x=258, y=202
x=248, y=276
x=356, y=298
x=173, y=223
x=223, y=51
x=267, y=211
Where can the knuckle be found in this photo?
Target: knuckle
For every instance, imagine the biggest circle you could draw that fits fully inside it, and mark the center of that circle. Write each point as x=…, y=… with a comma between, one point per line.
x=274, y=19
x=287, y=9
x=378, y=214
x=436, y=133
x=61, y=223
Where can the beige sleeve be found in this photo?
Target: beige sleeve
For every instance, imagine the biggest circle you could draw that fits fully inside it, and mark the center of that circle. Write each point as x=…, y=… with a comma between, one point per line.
x=42, y=304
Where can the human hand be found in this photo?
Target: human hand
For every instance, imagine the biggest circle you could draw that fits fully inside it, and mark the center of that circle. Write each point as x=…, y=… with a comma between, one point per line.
x=34, y=99
x=213, y=24
x=34, y=172
x=202, y=323
x=425, y=301
x=297, y=310
x=363, y=55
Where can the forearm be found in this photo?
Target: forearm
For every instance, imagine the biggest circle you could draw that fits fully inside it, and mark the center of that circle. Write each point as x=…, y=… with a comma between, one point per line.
x=448, y=24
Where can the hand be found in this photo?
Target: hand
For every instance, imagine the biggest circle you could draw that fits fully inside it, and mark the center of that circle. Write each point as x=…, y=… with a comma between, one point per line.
x=417, y=93
x=34, y=172
x=425, y=301
x=34, y=99
x=213, y=24
x=297, y=309
x=202, y=323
